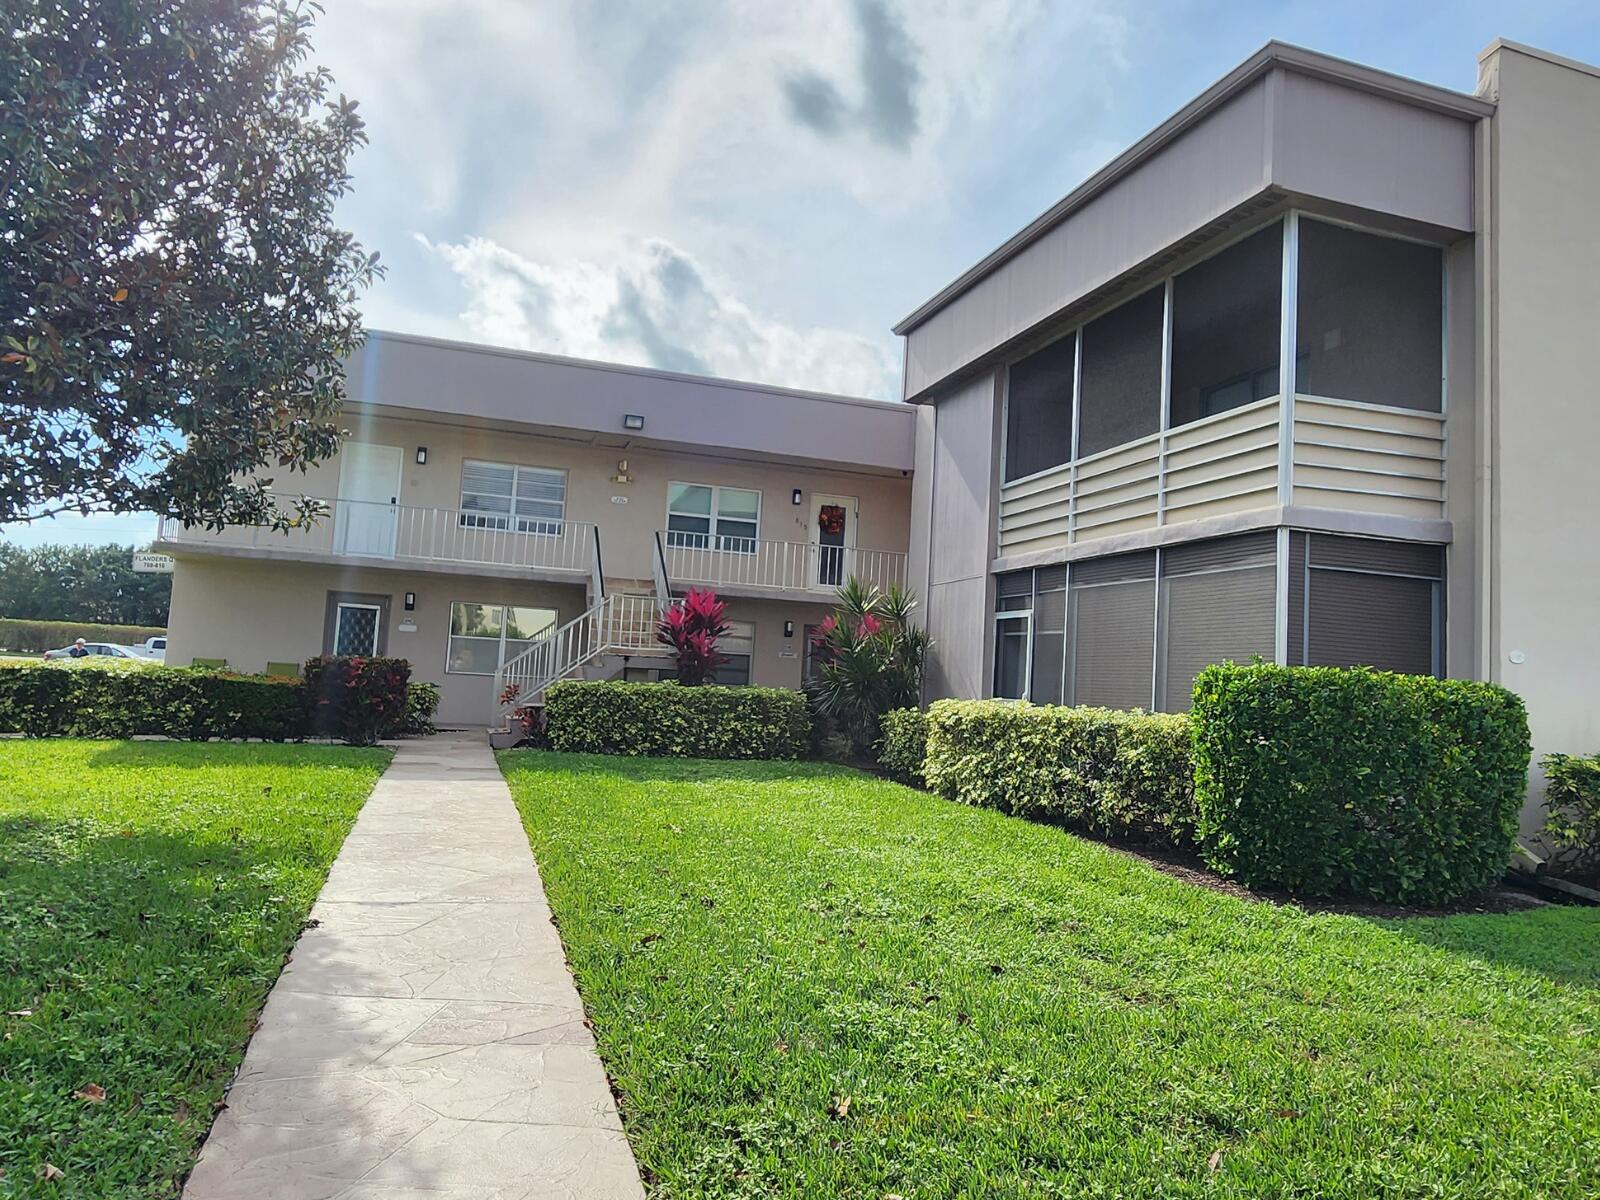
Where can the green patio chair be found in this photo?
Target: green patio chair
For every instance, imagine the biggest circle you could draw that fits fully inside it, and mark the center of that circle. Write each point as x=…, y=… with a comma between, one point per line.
x=210, y=664
x=283, y=670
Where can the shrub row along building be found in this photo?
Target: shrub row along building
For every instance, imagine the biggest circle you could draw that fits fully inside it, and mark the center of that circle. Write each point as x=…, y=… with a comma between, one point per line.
x=1302, y=374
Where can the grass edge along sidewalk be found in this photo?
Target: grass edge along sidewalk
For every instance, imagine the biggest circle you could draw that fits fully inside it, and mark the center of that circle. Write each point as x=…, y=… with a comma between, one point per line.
x=149, y=893
x=806, y=981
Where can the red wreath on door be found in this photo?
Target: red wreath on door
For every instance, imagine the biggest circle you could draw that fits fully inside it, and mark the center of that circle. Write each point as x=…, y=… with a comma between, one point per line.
x=830, y=518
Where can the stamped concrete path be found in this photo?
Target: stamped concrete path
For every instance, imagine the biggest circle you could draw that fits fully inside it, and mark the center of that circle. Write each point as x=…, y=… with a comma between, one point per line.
x=425, y=1040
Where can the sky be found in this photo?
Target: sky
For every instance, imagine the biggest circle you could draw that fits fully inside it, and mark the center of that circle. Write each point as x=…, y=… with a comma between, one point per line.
x=762, y=190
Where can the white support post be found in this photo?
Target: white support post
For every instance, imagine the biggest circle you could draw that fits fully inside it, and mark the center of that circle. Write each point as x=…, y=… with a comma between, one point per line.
x=1288, y=320
x=1289, y=316
x=1077, y=411
x=1166, y=401
x=1280, y=624
x=1155, y=643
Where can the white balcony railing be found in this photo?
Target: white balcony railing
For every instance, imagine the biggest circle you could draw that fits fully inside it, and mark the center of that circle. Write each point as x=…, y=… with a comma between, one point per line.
x=408, y=533
x=755, y=563
x=618, y=624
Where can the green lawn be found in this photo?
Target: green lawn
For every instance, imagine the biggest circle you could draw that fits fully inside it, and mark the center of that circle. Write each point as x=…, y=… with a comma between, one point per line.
x=1013, y=1011
x=149, y=892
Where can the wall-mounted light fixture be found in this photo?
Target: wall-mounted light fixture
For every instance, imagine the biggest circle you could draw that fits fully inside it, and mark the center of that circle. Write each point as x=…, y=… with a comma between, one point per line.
x=788, y=629
x=794, y=496
x=411, y=602
x=633, y=421
x=422, y=455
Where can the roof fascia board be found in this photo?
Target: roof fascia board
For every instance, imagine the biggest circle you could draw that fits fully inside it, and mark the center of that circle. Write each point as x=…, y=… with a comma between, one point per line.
x=591, y=364
x=1272, y=55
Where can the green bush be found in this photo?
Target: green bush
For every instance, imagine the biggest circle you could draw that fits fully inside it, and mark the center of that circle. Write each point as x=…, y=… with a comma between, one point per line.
x=422, y=702
x=47, y=700
x=1322, y=780
x=1125, y=774
x=355, y=698
x=904, y=744
x=668, y=719
x=36, y=700
x=1572, y=790
x=249, y=706
x=35, y=637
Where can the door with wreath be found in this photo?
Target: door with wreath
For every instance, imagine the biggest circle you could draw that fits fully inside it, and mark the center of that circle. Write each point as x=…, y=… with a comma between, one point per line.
x=833, y=533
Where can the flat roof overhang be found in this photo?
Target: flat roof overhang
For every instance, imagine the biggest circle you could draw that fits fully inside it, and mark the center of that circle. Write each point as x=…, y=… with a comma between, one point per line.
x=433, y=379
x=1286, y=123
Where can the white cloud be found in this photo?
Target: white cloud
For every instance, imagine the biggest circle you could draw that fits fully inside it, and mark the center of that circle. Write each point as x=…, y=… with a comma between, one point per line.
x=650, y=304
x=556, y=129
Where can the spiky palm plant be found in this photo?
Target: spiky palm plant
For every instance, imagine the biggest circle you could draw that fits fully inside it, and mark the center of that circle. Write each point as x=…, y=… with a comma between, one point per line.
x=870, y=659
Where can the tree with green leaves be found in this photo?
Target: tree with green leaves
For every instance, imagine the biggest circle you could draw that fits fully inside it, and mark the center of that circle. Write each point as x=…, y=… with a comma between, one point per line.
x=80, y=583
x=176, y=301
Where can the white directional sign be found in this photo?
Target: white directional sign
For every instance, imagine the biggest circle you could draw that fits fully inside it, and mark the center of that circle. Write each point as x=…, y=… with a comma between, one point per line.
x=152, y=564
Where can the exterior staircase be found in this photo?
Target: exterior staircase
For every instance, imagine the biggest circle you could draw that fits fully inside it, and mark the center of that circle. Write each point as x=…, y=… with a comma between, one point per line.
x=618, y=624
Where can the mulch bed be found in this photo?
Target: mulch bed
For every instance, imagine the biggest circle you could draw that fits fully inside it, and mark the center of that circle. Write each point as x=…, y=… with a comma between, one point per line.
x=1192, y=869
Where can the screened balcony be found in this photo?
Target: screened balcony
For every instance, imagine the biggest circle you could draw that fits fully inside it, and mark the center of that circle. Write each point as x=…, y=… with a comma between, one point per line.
x=1301, y=364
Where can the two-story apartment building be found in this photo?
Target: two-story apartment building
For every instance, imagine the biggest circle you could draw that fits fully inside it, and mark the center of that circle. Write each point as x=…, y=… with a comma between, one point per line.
x=494, y=507
x=1306, y=373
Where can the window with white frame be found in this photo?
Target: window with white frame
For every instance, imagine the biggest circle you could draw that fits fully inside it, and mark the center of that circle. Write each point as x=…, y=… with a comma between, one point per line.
x=703, y=517
x=516, y=498
x=484, y=636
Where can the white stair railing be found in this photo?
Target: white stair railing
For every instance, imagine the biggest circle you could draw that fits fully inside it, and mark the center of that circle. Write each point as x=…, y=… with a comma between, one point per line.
x=618, y=624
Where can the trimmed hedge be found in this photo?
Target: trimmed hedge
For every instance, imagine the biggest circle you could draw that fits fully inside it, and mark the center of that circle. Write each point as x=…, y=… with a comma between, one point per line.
x=59, y=699
x=669, y=719
x=903, y=748
x=1323, y=780
x=38, y=636
x=51, y=701
x=1116, y=773
x=1572, y=790
x=355, y=698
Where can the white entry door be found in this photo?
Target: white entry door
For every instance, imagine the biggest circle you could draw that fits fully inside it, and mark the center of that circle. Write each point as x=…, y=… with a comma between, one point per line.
x=833, y=533
x=369, y=495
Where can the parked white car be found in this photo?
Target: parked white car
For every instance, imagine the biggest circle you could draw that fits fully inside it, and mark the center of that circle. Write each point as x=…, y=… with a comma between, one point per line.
x=154, y=648
x=99, y=650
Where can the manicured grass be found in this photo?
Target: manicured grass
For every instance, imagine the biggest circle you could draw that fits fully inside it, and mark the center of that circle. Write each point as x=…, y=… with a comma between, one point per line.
x=1013, y=1011
x=149, y=892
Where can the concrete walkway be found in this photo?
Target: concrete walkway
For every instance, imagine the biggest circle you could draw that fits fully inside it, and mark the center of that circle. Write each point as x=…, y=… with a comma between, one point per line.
x=425, y=1039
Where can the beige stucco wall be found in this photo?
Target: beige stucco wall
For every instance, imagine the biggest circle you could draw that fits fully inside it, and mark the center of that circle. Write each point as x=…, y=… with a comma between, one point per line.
x=250, y=612
x=629, y=513
x=1543, y=258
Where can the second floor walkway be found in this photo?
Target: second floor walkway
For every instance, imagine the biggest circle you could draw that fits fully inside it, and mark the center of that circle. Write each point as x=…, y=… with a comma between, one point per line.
x=413, y=537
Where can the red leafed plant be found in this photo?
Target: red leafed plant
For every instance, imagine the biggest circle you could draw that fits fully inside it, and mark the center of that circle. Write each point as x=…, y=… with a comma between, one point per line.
x=691, y=627
x=355, y=698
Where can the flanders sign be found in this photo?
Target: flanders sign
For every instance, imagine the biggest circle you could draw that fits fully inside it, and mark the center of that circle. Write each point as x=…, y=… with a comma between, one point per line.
x=152, y=564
